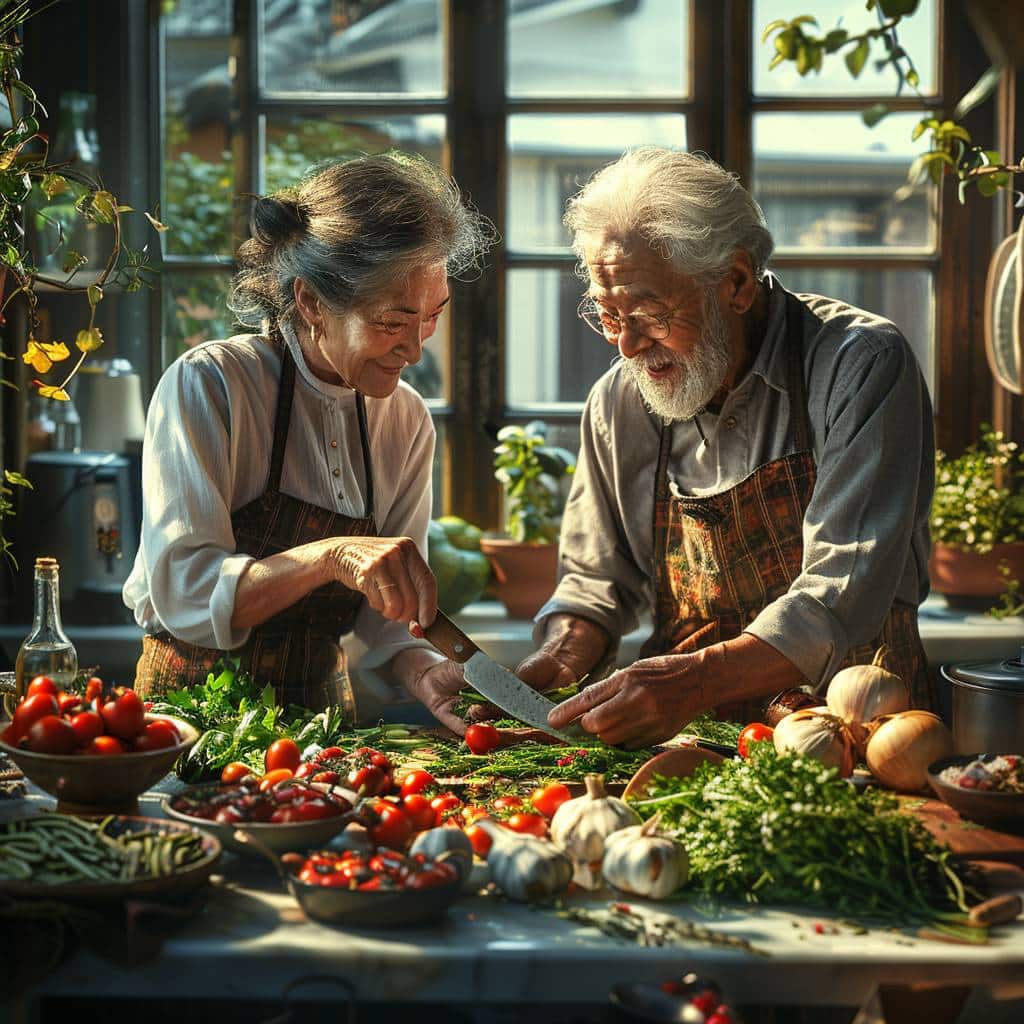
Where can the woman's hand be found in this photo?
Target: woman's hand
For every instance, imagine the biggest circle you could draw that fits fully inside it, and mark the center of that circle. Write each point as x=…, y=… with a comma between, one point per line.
x=392, y=574
x=437, y=688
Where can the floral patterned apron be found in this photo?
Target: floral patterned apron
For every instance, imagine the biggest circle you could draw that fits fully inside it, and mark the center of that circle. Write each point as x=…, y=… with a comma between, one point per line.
x=297, y=650
x=720, y=559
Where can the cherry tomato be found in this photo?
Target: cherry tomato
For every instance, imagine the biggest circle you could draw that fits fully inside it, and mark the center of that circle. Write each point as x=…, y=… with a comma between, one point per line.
x=472, y=812
x=482, y=738
x=51, y=735
x=31, y=709
x=234, y=772
x=307, y=770
x=164, y=725
x=479, y=839
x=547, y=799
x=104, y=746
x=68, y=703
x=329, y=754
x=442, y=804
x=428, y=877
x=93, y=689
x=272, y=778
x=374, y=757
x=155, y=737
x=507, y=803
x=418, y=808
x=328, y=777
x=393, y=827
x=528, y=824
x=87, y=725
x=756, y=732
x=368, y=780
x=417, y=781
x=123, y=715
x=42, y=684
x=283, y=753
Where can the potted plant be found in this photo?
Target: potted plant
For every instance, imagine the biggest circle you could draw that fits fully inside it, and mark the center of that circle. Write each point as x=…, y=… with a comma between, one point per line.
x=461, y=569
x=533, y=474
x=977, y=521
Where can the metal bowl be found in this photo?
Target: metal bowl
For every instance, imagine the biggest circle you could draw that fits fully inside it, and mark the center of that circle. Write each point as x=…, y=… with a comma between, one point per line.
x=283, y=837
x=84, y=783
x=1001, y=811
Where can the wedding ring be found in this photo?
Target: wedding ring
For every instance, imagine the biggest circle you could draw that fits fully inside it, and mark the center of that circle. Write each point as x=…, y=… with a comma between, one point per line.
x=386, y=586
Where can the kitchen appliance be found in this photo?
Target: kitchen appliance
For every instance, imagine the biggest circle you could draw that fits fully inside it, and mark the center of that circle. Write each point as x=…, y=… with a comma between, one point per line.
x=81, y=511
x=108, y=396
x=988, y=706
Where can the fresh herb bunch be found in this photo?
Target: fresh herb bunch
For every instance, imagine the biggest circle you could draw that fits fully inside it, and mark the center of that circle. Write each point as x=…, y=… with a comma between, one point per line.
x=715, y=730
x=979, y=496
x=784, y=829
x=468, y=698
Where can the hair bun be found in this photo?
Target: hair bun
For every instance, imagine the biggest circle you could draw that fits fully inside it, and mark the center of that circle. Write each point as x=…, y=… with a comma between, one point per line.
x=277, y=219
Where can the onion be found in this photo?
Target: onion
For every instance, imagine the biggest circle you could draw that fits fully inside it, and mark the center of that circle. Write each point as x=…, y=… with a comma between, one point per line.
x=863, y=692
x=818, y=734
x=901, y=747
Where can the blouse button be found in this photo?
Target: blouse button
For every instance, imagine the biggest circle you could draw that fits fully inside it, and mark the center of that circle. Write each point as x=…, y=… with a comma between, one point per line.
x=730, y=422
x=334, y=444
x=336, y=472
x=341, y=494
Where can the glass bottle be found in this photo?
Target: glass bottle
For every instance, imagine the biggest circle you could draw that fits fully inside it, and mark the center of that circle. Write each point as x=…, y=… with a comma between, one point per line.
x=46, y=651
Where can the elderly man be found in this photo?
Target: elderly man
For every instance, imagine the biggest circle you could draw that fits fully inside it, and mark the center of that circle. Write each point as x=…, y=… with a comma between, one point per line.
x=756, y=469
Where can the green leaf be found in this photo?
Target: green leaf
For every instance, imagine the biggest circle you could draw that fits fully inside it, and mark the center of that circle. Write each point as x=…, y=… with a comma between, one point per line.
x=913, y=78
x=873, y=114
x=987, y=185
x=804, y=19
x=898, y=8
x=88, y=340
x=16, y=478
x=835, y=39
x=978, y=93
x=857, y=57
x=95, y=295
x=919, y=129
x=53, y=185
x=771, y=27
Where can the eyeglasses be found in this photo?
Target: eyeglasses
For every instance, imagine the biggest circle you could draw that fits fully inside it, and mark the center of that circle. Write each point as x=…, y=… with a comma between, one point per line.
x=657, y=327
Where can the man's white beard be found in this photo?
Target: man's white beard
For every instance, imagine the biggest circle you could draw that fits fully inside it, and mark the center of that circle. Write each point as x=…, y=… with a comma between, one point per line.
x=697, y=376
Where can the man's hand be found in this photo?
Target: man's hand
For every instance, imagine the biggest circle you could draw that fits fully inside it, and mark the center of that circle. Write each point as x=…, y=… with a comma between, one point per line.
x=638, y=706
x=437, y=688
x=543, y=671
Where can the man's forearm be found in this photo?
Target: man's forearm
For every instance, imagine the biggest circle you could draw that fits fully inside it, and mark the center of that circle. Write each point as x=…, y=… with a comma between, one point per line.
x=577, y=643
x=743, y=669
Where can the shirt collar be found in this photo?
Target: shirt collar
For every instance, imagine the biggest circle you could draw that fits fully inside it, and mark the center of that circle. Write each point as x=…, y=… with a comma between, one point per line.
x=336, y=392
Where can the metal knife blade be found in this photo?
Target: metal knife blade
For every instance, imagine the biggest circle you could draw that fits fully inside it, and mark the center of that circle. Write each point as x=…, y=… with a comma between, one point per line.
x=494, y=681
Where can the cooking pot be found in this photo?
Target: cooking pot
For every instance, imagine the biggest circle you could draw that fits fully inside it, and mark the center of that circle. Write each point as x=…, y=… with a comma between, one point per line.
x=988, y=705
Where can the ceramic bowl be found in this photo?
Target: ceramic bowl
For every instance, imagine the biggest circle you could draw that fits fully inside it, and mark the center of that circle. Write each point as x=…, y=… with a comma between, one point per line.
x=1003, y=811
x=85, y=783
x=283, y=837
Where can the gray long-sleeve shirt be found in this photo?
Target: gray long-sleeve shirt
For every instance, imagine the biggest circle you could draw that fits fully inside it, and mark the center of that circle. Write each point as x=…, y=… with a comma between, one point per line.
x=865, y=531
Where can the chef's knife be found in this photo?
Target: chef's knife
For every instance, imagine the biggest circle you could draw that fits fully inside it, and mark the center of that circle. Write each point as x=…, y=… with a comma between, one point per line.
x=496, y=683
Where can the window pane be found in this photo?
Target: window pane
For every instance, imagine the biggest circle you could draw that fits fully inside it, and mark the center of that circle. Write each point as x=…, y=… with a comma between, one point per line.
x=198, y=184
x=295, y=144
x=917, y=35
x=551, y=155
x=829, y=181
x=551, y=354
x=904, y=296
x=430, y=375
x=195, y=310
x=359, y=46
x=597, y=49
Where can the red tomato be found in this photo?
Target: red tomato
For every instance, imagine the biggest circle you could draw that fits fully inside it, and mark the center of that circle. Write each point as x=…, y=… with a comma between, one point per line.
x=328, y=777
x=393, y=826
x=155, y=738
x=87, y=725
x=68, y=702
x=374, y=757
x=482, y=738
x=369, y=780
x=164, y=725
x=93, y=689
x=329, y=754
x=283, y=753
x=42, y=684
x=123, y=715
x=31, y=709
x=51, y=735
x=104, y=746
x=756, y=732
x=442, y=804
x=418, y=808
x=8, y=737
x=307, y=770
x=506, y=803
x=480, y=840
x=547, y=799
x=234, y=772
x=472, y=812
x=528, y=824
x=417, y=781
x=272, y=778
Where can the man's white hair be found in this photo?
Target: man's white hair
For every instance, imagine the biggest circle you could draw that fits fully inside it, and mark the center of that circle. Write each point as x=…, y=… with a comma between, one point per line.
x=688, y=208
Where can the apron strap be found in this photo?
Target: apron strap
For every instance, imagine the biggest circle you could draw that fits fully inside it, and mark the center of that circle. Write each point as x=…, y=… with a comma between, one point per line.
x=798, y=413
x=282, y=417
x=364, y=442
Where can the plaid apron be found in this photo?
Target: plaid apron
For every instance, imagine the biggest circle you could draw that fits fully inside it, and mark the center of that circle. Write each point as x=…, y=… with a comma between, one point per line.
x=720, y=559
x=297, y=650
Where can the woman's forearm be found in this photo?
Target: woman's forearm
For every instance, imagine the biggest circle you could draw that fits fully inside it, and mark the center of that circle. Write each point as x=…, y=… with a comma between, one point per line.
x=272, y=584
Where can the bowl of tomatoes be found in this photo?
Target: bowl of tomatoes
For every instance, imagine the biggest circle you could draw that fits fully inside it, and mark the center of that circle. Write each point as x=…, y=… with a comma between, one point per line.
x=95, y=751
x=291, y=814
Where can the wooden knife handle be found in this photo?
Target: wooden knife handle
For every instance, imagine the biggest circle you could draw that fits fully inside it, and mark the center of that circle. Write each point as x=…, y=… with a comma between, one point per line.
x=450, y=640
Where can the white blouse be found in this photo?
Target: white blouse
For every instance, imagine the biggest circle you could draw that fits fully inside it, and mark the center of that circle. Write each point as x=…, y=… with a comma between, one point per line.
x=206, y=454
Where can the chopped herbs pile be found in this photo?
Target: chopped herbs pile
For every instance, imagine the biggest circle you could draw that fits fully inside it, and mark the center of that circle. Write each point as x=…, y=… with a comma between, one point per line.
x=784, y=829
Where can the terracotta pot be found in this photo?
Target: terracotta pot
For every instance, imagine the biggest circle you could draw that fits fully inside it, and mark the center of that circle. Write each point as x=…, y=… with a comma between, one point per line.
x=525, y=574
x=968, y=579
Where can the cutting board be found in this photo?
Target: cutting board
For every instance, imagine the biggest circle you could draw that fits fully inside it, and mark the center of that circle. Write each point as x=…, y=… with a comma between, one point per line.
x=965, y=838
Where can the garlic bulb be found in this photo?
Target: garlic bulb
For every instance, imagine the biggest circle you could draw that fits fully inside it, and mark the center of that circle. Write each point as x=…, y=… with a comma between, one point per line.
x=862, y=692
x=816, y=733
x=523, y=867
x=581, y=826
x=901, y=747
x=446, y=843
x=640, y=861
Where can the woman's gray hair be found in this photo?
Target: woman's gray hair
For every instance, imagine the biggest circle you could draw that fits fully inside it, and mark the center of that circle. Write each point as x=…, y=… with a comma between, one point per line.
x=688, y=208
x=351, y=230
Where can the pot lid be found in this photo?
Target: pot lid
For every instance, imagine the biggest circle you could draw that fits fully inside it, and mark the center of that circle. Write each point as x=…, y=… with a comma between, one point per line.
x=1005, y=675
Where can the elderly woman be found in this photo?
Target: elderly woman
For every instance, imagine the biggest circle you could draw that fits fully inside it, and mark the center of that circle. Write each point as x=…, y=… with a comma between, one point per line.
x=287, y=474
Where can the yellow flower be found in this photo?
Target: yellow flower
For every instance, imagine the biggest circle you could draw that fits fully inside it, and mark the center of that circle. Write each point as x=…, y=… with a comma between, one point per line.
x=41, y=355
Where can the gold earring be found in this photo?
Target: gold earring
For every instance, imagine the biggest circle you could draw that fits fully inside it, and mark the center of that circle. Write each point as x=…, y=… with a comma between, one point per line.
x=312, y=335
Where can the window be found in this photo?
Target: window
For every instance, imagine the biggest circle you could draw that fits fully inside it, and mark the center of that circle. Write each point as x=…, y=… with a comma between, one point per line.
x=522, y=100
